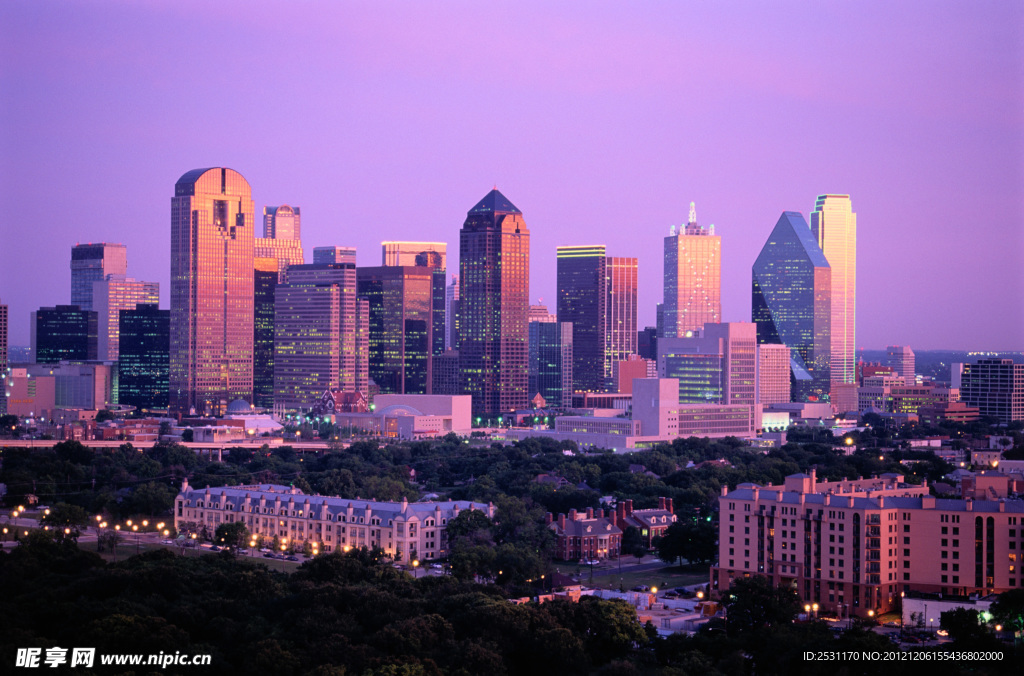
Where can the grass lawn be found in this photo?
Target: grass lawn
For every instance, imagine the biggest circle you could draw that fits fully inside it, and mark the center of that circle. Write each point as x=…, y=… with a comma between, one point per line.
x=667, y=577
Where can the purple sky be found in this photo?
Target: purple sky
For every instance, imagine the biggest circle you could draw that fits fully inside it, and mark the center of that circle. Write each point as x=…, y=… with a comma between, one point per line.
x=600, y=121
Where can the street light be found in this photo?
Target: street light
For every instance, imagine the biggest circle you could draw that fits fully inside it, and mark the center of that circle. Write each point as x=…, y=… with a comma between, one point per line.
x=415, y=568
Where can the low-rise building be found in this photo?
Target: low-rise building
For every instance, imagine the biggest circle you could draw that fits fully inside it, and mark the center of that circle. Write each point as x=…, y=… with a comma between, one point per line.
x=652, y=523
x=585, y=535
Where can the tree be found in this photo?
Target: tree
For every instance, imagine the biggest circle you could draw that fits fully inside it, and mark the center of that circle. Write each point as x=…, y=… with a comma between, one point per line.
x=1008, y=610
x=753, y=603
x=64, y=517
x=962, y=624
x=693, y=539
x=231, y=535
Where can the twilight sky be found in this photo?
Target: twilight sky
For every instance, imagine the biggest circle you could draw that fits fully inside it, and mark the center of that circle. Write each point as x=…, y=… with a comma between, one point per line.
x=601, y=121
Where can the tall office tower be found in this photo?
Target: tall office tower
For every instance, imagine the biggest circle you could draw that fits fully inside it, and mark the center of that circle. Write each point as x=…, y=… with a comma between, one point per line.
x=693, y=277
x=773, y=385
x=281, y=229
x=145, y=361
x=792, y=285
x=715, y=365
x=995, y=387
x=659, y=320
x=901, y=360
x=550, y=368
x=620, y=314
x=433, y=255
x=494, y=295
x=92, y=263
x=112, y=295
x=451, y=315
x=265, y=277
x=401, y=325
x=539, y=313
x=583, y=302
x=318, y=334
x=834, y=226
x=63, y=333
x=3, y=354
x=211, y=290
x=647, y=343
x=323, y=255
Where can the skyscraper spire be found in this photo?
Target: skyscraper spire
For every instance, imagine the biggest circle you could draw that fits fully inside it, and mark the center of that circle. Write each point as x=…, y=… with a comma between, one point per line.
x=693, y=213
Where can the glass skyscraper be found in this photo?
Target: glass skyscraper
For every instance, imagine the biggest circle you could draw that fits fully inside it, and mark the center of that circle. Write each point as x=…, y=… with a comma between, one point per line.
x=433, y=255
x=144, y=361
x=281, y=241
x=92, y=263
x=583, y=302
x=834, y=226
x=791, y=304
x=551, y=362
x=494, y=279
x=113, y=295
x=266, y=272
x=693, y=278
x=64, y=333
x=212, y=245
x=620, y=314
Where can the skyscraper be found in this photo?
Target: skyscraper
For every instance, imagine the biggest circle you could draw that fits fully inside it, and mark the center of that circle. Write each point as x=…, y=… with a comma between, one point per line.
x=715, y=365
x=834, y=226
x=401, y=330
x=281, y=229
x=451, y=315
x=432, y=255
x=92, y=263
x=144, y=361
x=620, y=314
x=63, y=333
x=550, y=370
x=902, y=360
x=792, y=285
x=773, y=386
x=334, y=254
x=266, y=275
x=693, y=278
x=494, y=276
x=212, y=245
x=112, y=295
x=996, y=387
x=282, y=222
x=3, y=355
x=583, y=301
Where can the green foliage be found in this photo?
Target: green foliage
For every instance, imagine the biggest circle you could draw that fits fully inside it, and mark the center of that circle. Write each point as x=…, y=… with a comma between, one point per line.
x=1008, y=610
x=231, y=535
x=753, y=604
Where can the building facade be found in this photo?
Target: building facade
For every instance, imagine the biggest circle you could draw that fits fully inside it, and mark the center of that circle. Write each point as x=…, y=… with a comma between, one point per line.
x=451, y=315
x=92, y=263
x=773, y=374
x=620, y=314
x=323, y=255
x=212, y=246
x=3, y=354
x=494, y=277
x=64, y=333
x=583, y=301
x=995, y=387
x=405, y=531
x=834, y=226
x=693, y=278
x=586, y=535
x=432, y=255
x=550, y=366
x=145, y=360
x=265, y=277
x=111, y=296
x=791, y=305
x=901, y=360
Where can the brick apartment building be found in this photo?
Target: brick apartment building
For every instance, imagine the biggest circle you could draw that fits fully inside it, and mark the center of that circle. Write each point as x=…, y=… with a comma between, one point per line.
x=652, y=523
x=585, y=535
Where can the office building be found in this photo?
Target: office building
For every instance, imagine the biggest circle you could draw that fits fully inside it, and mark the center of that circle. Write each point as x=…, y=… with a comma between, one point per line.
x=38, y=390
x=996, y=388
x=401, y=331
x=647, y=343
x=494, y=279
x=432, y=255
x=111, y=296
x=791, y=304
x=716, y=364
x=212, y=245
x=92, y=263
x=834, y=226
x=550, y=366
x=144, y=363
x=630, y=369
x=620, y=314
x=444, y=373
x=319, y=335
x=583, y=302
x=902, y=361
x=853, y=546
x=265, y=277
x=281, y=237
x=323, y=255
x=451, y=315
x=3, y=354
x=64, y=333
x=773, y=384
x=693, y=278
x=405, y=531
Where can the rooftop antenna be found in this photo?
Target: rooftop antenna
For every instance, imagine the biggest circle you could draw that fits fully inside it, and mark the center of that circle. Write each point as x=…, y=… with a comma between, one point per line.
x=693, y=213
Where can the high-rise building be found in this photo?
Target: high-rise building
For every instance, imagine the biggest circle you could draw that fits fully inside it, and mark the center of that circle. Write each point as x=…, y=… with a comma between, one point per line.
x=266, y=275
x=444, y=373
x=693, y=278
x=92, y=263
x=112, y=295
x=791, y=305
x=144, y=363
x=714, y=365
x=834, y=226
x=432, y=255
x=550, y=365
x=451, y=315
x=773, y=386
x=281, y=241
x=494, y=278
x=212, y=246
x=319, y=335
x=583, y=302
x=902, y=360
x=3, y=354
x=996, y=388
x=620, y=314
x=64, y=333
x=323, y=255
x=402, y=325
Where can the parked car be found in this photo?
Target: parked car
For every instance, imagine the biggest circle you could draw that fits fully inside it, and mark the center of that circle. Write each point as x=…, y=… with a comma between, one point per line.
x=292, y=558
x=641, y=588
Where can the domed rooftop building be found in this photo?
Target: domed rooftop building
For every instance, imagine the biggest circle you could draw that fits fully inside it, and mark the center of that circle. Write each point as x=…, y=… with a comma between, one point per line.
x=239, y=407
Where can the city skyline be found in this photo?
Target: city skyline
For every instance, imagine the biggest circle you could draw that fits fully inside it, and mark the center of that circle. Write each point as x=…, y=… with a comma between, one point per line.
x=731, y=117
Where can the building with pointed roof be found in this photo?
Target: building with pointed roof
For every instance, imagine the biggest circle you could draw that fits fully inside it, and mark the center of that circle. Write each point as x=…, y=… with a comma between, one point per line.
x=792, y=287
